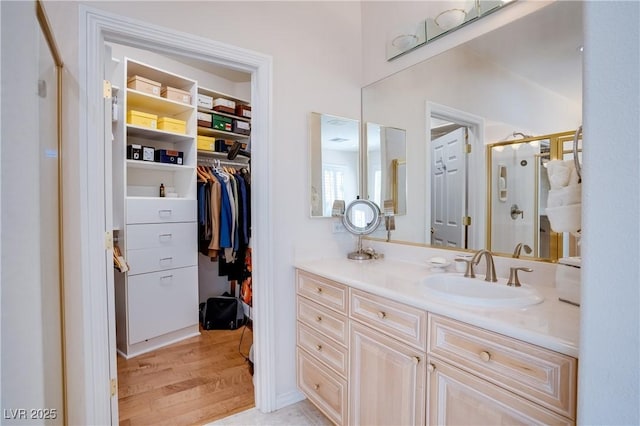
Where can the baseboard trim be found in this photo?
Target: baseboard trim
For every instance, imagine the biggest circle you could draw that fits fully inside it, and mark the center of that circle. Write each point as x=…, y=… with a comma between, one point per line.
x=289, y=398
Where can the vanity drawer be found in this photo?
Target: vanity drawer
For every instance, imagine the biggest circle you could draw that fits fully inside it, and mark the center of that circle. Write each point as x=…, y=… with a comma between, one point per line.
x=322, y=320
x=327, y=391
x=144, y=210
x=157, y=235
x=327, y=351
x=540, y=375
x=322, y=291
x=402, y=322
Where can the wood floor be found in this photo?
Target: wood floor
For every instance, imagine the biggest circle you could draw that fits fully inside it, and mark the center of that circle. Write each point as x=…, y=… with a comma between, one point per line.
x=193, y=382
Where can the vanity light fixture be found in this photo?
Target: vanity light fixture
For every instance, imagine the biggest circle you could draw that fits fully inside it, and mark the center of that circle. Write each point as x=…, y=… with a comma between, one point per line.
x=452, y=13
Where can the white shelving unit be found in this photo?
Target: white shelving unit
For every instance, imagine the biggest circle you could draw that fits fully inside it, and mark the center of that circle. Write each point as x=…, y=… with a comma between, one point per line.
x=221, y=134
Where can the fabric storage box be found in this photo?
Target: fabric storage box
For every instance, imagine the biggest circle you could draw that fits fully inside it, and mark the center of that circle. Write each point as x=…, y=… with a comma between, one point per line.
x=177, y=95
x=134, y=152
x=142, y=119
x=243, y=110
x=144, y=85
x=205, y=101
x=222, y=123
x=172, y=125
x=224, y=105
x=204, y=119
x=169, y=156
x=206, y=143
x=241, y=127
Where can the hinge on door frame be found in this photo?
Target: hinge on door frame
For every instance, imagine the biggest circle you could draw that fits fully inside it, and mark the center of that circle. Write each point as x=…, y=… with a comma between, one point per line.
x=466, y=220
x=114, y=387
x=108, y=240
x=106, y=89
x=467, y=148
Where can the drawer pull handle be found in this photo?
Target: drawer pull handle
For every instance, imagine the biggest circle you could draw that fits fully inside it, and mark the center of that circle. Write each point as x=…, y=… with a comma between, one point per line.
x=382, y=315
x=165, y=212
x=166, y=279
x=416, y=360
x=319, y=318
x=318, y=348
x=166, y=259
x=485, y=356
x=167, y=236
x=319, y=290
x=316, y=386
x=431, y=368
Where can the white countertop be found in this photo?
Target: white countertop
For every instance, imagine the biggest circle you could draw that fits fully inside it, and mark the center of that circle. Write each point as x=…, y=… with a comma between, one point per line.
x=551, y=324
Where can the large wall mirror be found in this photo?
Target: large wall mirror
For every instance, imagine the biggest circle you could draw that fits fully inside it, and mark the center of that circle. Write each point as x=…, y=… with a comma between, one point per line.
x=522, y=79
x=334, y=147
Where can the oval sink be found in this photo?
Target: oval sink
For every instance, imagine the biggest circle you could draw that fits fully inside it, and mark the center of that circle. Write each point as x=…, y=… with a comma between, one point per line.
x=480, y=293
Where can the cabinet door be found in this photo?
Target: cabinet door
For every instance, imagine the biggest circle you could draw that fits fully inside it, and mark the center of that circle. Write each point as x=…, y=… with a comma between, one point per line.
x=388, y=379
x=459, y=398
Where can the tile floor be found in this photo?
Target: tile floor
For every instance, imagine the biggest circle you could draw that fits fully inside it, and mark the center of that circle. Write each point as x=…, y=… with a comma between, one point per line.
x=302, y=413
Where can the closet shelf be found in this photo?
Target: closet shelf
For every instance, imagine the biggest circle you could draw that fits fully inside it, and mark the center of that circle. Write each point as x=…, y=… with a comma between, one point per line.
x=150, y=165
x=132, y=197
x=157, y=135
x=236, y=117
x=220, y=133
x=146, y=102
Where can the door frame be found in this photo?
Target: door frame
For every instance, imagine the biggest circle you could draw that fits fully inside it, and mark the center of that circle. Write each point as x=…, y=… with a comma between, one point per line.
x=95, y=28
x=476, y=190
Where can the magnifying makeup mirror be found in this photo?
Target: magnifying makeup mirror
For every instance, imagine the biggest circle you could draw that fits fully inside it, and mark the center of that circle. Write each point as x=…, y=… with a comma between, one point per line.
x=361, y=217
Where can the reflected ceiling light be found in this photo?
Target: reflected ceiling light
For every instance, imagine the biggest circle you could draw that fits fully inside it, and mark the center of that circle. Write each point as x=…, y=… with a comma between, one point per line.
x=499, y=148
x=404, y=41
x=451, y=14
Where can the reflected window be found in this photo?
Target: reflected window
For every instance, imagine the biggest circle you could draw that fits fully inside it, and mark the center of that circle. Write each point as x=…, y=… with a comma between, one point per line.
x=333, y=186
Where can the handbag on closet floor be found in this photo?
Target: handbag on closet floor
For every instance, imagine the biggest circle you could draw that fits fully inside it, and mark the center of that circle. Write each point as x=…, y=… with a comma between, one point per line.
x=221, y=313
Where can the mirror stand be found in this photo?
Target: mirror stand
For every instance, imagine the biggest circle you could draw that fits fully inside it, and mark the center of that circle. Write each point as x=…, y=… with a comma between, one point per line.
x=359, y=254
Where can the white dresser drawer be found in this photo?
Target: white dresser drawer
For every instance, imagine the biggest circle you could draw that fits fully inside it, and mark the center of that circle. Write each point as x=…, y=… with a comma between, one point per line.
x=324, y=388
x=157, y=235
x=142, y=261
x=150, y=210
x=161, y=302
x=398, y=320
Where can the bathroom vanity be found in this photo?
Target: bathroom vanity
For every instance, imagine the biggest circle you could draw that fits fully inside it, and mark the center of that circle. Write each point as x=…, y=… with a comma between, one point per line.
x=374, y=348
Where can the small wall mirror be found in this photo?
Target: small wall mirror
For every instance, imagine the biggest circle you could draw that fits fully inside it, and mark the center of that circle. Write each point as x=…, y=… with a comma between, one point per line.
x=334, y=147
x=387, y=166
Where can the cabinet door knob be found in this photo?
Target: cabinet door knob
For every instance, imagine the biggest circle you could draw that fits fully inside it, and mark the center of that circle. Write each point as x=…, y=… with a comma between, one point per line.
x=318, y=318
x=319, y=290
x=382, y=315
x=316, y=386
x=416, y=360
x=485, y=356
x=431, y=368
x=318, y=347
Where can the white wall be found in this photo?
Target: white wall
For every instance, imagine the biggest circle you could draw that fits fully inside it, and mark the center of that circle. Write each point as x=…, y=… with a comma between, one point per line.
x=609, y=371
x=313, y=70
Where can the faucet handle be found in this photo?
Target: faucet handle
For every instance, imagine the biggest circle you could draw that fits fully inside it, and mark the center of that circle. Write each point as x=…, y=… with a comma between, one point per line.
x=469, y=270
x=513, y=276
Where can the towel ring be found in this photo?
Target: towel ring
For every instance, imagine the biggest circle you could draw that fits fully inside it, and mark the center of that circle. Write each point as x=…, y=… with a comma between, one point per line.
x=576, y=161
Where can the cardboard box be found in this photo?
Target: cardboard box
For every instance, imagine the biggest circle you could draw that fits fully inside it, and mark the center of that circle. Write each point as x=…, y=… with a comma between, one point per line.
x=169, y=156
x=205, y=119
x=144, y=85
x=177, y=95
x=206, y=143
x=134, y=152
x=243, y=110
x=241, y=127
x=205, y=101
x=223, y=145
x=222, y=123
x=142, y=119
x=172, y=125
x=224, y=105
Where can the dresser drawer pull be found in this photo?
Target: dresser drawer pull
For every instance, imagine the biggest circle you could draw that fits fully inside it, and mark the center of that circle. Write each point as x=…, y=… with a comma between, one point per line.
x=485, y=356
x=318, y=318
x=319, y=290
x=416, y=360
x=165, y=236
x=166, y=279
x=382, y=315
x=431, y=368
x=318, y=348
x=316, y=386
x=164, y=213
x=166, y=259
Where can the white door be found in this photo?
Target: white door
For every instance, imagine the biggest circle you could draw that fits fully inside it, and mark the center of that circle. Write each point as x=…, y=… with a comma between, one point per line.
x=448, y=189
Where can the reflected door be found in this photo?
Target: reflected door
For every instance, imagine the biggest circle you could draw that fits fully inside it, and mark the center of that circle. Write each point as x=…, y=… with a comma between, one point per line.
x=448, y=186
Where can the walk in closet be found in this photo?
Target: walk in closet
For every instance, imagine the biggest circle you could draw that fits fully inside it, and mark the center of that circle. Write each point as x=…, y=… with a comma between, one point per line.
x=180, y=176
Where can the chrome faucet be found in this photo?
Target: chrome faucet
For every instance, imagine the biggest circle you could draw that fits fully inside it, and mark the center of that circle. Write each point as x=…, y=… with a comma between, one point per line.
x=490, y=274
x=519, y=247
